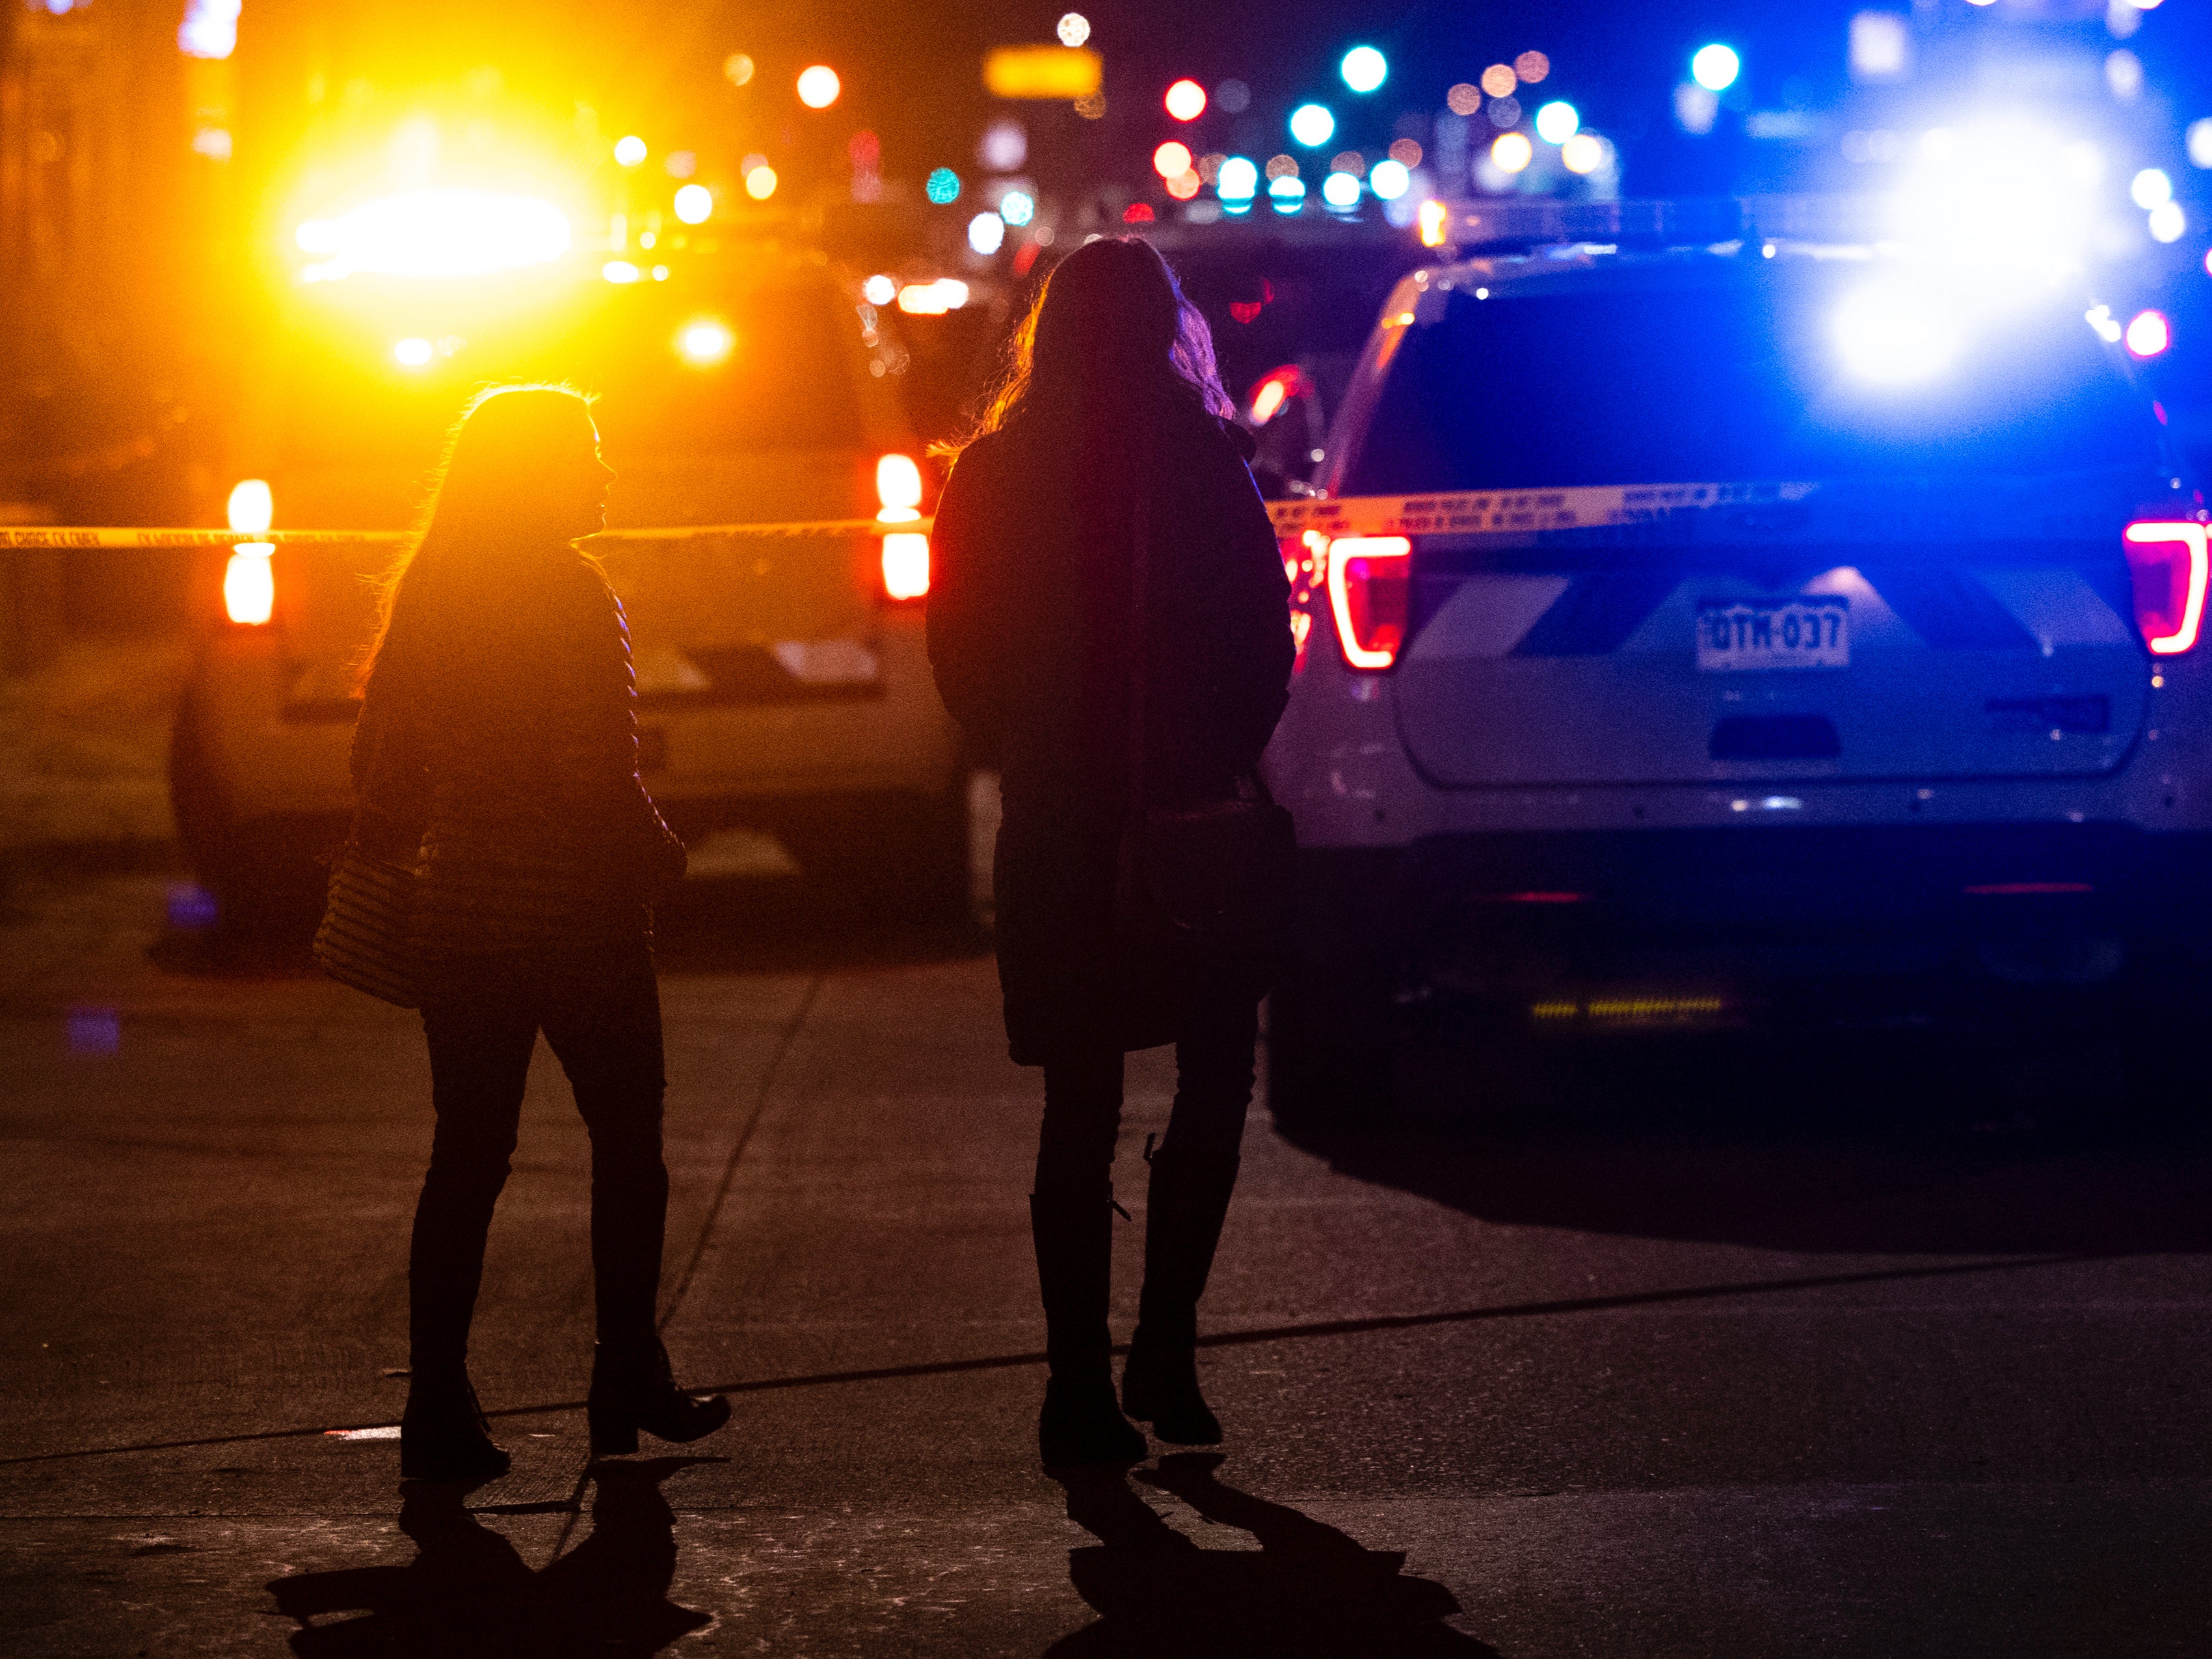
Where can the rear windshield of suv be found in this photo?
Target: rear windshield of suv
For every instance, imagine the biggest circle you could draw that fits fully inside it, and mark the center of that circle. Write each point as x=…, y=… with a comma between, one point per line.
x=1728, y=381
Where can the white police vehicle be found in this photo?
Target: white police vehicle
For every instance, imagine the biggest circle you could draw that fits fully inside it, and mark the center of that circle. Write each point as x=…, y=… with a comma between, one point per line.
x=1739, y=628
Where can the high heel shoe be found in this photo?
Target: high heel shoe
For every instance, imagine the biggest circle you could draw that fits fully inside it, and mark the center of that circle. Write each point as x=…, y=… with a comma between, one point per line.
x=632, y=1388
x=443, y=1435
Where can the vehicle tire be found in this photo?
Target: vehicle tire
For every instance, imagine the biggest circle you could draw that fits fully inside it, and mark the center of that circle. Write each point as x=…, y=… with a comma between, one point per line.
x=905, y=855
x=2161, y=1007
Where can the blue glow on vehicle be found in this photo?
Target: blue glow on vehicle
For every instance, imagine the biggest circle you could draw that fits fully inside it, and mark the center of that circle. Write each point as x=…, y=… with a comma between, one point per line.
x=1895, y=335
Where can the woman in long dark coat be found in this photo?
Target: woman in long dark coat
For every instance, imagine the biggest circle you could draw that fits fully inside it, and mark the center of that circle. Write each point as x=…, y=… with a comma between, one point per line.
x=496, y=753
x=1111, y=401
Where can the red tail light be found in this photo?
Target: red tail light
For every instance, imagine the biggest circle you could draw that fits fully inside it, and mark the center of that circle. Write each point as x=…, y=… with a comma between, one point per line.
x=905, y=565
x=1369, y=582
x=2167, y=561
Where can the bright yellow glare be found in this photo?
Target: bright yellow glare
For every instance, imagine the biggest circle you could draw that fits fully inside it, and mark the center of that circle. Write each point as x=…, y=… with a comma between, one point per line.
x=413, y=352
x=738, y=67
x=252, y=507
x=706, y=342
x=818, y=87
x=249, y=586
x=906, y=564
x=1512, y=152
x=629, y=151
x=1436, y=219
x=694, y=202
x=620, y=271
x=760, y=182
x=1582, y=153
x=932, y=298
x=1268, y=399
x=436, y=233
x=898, y=487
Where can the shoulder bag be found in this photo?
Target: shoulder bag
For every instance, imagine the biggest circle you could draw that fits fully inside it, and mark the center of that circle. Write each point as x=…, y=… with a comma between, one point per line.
x=362, y=941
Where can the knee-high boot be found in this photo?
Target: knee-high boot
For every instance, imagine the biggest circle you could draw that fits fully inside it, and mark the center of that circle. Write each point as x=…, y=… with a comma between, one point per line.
x=1189, y=1199
x=1081, y=1422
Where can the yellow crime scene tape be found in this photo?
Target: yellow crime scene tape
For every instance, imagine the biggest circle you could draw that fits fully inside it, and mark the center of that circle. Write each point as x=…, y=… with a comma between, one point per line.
x=1465, y=512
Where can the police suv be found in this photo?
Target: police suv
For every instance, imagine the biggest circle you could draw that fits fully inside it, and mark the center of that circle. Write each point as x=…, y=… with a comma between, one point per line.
x=1706, y=622
x=782, y=683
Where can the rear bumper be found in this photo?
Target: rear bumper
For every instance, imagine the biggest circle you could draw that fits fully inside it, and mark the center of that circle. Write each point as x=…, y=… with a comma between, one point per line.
x=1752, y=916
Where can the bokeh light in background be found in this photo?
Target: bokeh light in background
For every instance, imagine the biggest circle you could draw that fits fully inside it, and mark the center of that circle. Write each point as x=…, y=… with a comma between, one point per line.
x=1282, y=166
x=1531, y=67
x=986, y=231
x=1583, y=153
x=1312, y=126
x=413, y=352
x=1185, y=100
x=1017, y=206
x=1233, y=97
x=2150, y=188
x=1510, y=152
x=1286, y=194
x=932, y=298
x=1715, y=67
x=1073, y=29
x=1185, y=184
x=760, y=181
x=1557, y=122
x=2167, y=222
x=1499, y=79
x=879, y=289
x=1171, y=160
x=819, y=86
x=1363, y=69
x=1340, y=189
x=737, y=68
x=705, y=341
x=1435, y=222
x=2198, y=139
x=619, y=271
x=1238, y=179
x=1505, y=113
x=1005, y=146
x=1406, y=152
x=629, y=151
x=1463, y=98
x=682, y=164
x=2148, y=333
x=1390, y=179
x=695, y=203
x=942, y=186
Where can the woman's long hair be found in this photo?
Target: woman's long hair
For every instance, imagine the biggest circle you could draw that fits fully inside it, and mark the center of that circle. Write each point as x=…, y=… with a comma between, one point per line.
x=1110, y=319
x=464, y=584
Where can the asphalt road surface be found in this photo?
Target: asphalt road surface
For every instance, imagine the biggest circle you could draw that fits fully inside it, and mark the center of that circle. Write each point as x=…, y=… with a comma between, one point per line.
x=1709, y=1348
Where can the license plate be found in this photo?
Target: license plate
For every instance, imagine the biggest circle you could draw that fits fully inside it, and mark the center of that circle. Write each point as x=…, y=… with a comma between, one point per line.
x=1736, y=634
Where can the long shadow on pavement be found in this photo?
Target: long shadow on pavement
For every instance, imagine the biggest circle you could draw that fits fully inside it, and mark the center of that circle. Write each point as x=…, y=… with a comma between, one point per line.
x=1309, y=1592
x=469, y=1594
x=1921, y=1147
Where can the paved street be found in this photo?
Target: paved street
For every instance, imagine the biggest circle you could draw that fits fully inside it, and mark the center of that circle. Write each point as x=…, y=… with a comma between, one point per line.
x=1692, y=1353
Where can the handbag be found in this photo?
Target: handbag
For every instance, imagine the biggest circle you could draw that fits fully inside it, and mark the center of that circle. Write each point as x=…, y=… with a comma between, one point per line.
x=1203, y=883
x=362, y=941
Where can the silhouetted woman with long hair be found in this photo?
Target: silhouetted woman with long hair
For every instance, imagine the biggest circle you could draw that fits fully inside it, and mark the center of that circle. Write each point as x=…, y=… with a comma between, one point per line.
x=496, y=753
x=1112, y=398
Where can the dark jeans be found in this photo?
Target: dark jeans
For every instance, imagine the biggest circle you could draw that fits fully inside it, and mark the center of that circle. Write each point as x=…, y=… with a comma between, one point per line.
x=600, y=1012
x=1083, y=1105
